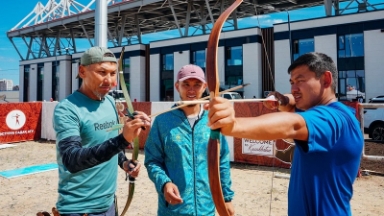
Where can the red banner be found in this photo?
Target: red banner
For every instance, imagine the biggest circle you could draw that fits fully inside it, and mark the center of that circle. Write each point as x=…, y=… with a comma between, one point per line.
x=20, y=122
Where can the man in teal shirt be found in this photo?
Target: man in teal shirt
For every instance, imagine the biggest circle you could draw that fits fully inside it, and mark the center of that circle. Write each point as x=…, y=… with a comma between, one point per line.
x=87, y=154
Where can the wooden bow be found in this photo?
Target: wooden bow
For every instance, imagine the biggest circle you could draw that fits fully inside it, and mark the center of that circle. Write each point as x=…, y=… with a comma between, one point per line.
x=213, y=86
x=130, y=114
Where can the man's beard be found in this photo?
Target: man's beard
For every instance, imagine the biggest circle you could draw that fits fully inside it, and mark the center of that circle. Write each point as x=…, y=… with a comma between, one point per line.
x=98, y=94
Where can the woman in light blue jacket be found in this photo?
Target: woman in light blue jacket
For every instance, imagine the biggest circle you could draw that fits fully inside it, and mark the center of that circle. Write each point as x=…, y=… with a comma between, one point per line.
x=176, y=154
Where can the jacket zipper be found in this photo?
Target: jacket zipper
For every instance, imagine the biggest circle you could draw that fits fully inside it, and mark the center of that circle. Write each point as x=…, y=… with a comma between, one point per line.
x=193, y=156
x=194, y=165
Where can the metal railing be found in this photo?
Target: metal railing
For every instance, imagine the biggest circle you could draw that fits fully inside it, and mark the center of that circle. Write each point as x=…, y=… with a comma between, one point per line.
x=362, y=106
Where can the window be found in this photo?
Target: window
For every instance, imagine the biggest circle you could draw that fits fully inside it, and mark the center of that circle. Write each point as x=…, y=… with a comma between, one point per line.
x=26, y=83
x=234, y=56
x=55, y=80
x=302, y=46
x=352, y=84
x=351, y=45
x=350, y=63
x=166, y=78
x=40, y=81
x=127, y=71
x=227, y=96
x=198, y=58
x=233, y=66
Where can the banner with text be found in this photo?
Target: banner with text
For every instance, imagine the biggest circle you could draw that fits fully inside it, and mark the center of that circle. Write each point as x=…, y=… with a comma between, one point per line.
x=20, y=122
x=276, y=153
x=259, y=147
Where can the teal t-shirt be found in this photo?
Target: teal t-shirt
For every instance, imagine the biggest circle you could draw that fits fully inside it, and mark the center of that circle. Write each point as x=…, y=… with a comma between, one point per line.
x=93, y=189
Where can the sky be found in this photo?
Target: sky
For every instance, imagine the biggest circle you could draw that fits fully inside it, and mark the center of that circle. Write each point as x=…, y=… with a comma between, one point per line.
x=12, y=12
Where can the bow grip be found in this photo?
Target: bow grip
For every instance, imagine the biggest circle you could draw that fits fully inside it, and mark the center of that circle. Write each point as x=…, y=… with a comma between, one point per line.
x=131, y=179
x=132, y=116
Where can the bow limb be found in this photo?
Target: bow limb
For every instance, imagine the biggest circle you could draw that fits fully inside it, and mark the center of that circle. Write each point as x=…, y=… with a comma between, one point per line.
x=131, y=187
x=130, y=112
x=123, y=84
x=213, y=86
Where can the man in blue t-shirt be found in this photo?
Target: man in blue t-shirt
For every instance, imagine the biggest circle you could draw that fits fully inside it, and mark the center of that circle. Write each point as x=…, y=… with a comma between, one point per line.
x=328, y=138
x=87, y=154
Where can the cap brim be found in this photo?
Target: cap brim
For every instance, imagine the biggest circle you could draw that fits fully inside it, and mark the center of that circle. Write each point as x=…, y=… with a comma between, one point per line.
x=192, y=77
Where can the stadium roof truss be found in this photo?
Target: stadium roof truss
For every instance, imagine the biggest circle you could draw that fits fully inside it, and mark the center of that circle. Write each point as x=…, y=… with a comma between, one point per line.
x=51, y=29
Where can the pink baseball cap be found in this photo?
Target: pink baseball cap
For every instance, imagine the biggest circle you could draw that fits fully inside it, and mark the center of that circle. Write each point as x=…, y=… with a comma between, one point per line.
x=191, y=71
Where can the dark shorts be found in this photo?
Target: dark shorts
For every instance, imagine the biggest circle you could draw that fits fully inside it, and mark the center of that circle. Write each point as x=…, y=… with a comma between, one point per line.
x=109, y=212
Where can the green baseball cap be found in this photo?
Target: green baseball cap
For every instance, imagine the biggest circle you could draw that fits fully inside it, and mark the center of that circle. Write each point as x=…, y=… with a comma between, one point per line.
x=96, y=55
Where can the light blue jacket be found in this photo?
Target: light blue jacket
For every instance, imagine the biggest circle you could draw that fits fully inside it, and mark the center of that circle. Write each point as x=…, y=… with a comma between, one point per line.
x=177, y=152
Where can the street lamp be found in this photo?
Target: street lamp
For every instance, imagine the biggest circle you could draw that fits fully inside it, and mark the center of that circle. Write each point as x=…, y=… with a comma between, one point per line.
x=290, y=36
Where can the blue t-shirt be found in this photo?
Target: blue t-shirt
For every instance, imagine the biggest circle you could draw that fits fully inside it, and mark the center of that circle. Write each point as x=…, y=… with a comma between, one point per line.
x=93, y=189
x=323, y=171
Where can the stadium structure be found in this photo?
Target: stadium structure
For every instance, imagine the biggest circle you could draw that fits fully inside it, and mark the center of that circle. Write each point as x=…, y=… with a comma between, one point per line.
x=54, y=36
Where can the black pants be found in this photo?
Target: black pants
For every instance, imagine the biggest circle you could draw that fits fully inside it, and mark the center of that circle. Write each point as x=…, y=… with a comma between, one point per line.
x=109, y=212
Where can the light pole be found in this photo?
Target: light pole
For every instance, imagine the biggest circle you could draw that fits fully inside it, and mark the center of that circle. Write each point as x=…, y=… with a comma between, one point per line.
x=290, y=36
x=55, y=92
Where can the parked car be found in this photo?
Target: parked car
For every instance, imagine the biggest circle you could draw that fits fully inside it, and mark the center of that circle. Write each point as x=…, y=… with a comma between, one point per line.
x=117, y=95
x=378, y=99
x=374, y=120
x=231, y=95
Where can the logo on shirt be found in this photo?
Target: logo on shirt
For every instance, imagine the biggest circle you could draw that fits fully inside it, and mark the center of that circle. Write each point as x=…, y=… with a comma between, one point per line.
x=105, y=125
x=15, y=119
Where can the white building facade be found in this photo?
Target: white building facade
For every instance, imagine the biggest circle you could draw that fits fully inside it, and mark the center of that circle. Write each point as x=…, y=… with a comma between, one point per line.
x=238, y=62
x=354, y=42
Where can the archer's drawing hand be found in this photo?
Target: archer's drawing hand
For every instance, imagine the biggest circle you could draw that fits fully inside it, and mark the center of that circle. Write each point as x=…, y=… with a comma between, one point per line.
x=132, y=127
x=132, y=168
x=172, y=194
x=283, y=101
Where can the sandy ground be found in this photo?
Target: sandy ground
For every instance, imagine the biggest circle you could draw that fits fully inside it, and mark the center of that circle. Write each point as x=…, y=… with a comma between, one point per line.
x=252, y=184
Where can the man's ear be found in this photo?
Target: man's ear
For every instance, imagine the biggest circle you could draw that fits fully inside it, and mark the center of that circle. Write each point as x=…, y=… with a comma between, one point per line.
x=81, y=71
x=177, y=85
x=327, y=79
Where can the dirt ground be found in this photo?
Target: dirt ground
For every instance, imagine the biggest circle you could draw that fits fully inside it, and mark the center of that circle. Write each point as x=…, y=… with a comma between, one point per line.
x=259, y=191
